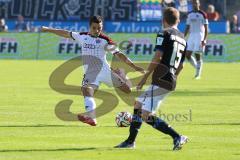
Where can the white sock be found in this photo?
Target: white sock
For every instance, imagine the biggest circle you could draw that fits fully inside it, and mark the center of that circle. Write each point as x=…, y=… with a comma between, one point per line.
x=199, y=68
x=193, y=62
x=90, y=106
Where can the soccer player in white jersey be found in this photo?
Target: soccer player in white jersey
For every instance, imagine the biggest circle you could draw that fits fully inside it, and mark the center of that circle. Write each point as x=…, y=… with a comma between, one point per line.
x=94, y=48
x=197, y=27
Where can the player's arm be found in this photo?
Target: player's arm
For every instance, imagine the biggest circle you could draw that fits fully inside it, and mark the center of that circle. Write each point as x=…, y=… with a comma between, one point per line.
x=205, y=23
x=154, y=63
x=186, y=30
x=205, y=35
x=179, y=69
x=59, y=32
x=128, y=61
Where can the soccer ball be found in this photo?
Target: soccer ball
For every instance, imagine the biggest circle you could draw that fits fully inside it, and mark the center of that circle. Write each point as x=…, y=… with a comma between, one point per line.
x=123, y=119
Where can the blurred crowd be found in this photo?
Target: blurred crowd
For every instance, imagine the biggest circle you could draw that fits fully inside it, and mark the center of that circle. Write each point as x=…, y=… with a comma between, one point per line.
x=212, y=14
x=3, y=26
x=20, y=25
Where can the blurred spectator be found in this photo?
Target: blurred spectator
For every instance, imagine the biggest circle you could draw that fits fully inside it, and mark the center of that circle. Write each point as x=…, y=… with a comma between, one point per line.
x=212, y=15
x=234, y=24
x=238, y=17
x=3, y=26
x=184, y=6
x=168, y=3
x=21, y=25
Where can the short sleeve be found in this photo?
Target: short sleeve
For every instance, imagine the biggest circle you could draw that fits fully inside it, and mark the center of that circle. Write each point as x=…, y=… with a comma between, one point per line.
x=112, y=48
x=76, y=36
x=108, y=39
x=205, y=21
x=161, y=38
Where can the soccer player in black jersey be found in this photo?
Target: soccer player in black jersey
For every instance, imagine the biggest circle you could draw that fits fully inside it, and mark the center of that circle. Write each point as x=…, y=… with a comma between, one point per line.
x=166, y=65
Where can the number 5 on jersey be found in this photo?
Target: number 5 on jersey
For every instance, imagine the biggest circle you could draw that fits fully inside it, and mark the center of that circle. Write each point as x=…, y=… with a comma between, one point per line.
x=178, y=50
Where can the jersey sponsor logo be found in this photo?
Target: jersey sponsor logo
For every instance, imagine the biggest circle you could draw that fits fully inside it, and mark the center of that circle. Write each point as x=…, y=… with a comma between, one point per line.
x=193, y=20
x=98, y=41
x=90, y=46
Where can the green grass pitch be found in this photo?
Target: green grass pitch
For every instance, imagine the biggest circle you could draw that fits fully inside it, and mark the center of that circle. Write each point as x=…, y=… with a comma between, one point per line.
x=29, y=129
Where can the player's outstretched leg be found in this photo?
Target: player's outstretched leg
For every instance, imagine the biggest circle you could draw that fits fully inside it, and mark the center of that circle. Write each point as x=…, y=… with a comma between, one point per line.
x=90, y=106
x=179, y=142
x=199, y=66
x=87, y=119
x=121, y=80
x=133, y=130
x=191, y=59
x=161, y=125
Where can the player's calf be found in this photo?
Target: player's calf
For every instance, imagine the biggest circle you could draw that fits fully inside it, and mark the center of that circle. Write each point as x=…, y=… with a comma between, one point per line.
x=90, y=105
x=125, y=83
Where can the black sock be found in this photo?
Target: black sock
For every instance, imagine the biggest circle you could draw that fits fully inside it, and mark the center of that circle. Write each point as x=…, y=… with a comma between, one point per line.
x=135, y=125
x=162, y=126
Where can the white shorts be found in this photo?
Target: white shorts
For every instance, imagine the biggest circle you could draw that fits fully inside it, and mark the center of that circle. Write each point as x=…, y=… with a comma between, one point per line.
x=194, y=44
x=106, y=76
x=152, y=98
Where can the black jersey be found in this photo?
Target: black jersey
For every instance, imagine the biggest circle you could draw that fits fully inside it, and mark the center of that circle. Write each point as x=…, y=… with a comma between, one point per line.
x=173, y=46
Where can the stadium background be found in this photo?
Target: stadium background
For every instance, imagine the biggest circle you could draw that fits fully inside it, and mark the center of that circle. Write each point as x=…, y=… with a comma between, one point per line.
x=132, y=18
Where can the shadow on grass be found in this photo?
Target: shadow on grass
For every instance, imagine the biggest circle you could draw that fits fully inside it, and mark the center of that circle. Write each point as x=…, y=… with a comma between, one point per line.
x=58, y=126
x=76, y=149
x=49, y=150
x=218, y=124
x=209, y=92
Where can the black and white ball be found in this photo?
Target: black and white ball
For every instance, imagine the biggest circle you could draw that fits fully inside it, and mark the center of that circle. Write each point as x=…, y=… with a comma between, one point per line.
x=123, y=119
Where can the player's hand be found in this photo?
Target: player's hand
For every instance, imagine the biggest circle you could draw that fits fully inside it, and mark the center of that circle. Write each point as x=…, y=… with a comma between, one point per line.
x=140, y=84
x=44, y=29
x=204, y=43
x=139, y=69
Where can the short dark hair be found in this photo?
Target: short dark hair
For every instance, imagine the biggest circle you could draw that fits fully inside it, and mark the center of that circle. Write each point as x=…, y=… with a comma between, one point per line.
x=171, y=15
x=196, y=1
x=95, y=19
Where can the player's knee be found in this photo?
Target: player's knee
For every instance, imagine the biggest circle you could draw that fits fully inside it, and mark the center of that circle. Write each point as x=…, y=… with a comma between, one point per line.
x=188, y=56
x=137, y=105
x=87, y=91
x=198, y=56
x=145, y=115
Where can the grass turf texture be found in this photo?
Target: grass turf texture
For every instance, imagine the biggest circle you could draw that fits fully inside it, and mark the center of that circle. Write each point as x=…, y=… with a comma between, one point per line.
x=30, y=130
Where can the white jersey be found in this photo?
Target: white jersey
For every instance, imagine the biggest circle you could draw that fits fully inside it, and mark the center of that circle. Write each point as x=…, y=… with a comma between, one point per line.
x=196, y=20
x=94, y=50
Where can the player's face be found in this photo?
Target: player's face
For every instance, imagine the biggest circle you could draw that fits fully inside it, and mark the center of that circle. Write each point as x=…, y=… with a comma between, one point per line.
x=96, y=29
x=196, y=4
